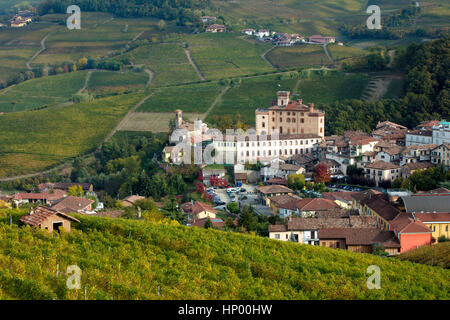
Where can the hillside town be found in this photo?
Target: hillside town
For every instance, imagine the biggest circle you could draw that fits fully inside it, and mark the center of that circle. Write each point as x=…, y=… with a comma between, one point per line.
x=347, y=217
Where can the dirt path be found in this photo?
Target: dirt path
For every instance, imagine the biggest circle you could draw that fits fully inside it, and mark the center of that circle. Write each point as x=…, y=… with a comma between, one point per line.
x=325, y=48
x=86, y=82
x=124, y=120
x=216, y=101
x=296, y=86
x=7, y=89
x=263, y=56
x=43, y=47
x=194, y=65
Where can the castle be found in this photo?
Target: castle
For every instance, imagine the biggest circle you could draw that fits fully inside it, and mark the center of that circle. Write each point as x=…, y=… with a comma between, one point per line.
x=290, y=117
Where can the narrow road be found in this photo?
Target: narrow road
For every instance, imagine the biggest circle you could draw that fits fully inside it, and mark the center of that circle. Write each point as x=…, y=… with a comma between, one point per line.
x=124, y=120
x=325, y=47
x=68, y=164
x=296, y=86
x=263, y=56
x=216, y=101
x=151, y=75
x=43, y=47
x=86, y=82
x=194, y=65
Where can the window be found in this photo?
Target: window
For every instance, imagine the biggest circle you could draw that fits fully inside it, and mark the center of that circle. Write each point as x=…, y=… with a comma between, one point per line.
x=277, y=236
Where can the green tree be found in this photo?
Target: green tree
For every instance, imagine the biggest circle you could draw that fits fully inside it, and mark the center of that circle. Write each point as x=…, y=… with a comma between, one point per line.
x=296, y=181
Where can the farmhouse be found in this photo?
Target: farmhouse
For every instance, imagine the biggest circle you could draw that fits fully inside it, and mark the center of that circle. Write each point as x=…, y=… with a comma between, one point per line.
x=249, y=32
x=197, y=210
x=321, y=39
x=48, y=219
x=262, y=33
x=87, y=187
x=214, y=28
x=131, y=200
x=73, y=204
x=46, y=197
x=207, y=19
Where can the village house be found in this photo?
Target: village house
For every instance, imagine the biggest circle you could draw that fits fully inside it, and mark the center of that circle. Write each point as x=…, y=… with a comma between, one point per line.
x=45, y=197
x=392, y=154
x=306, y=230
x=249, y=32
x=421, y=134
x=215, y=28
x=411, y=233
x=287, y=205
x=322, y=40
x=87, y=187
x=265, y=193
x=437, y=222
x=342, y=199
x=262, y=33
x=131, y=200
x=390, y=132
x=197, y=210
x=381, y=171
x=441, y=155
x=441, y=133
x=359, y=240
x=207, y=19
x=73, y=204
x=48, y=219
x=409, y=168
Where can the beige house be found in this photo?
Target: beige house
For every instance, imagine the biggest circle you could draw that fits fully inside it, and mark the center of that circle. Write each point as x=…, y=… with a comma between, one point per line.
x=197, y=210
x=441, y=155
x=48, y=219
x=266, y=192
x=380, y=171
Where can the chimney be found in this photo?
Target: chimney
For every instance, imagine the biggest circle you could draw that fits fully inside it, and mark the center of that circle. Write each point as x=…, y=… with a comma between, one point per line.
x=311, y=107
x=300, y=101
x=283, y=98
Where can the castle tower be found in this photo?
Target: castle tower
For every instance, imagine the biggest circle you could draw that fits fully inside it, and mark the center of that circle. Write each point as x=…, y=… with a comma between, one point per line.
x=178, y=118
x=283, y=98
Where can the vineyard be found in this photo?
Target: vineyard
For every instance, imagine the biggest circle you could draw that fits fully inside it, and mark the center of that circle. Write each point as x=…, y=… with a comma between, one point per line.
x=130, y=259
x=437, y=255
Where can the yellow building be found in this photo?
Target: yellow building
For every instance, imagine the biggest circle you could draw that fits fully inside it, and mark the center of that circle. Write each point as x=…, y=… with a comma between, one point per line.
x=438, y=222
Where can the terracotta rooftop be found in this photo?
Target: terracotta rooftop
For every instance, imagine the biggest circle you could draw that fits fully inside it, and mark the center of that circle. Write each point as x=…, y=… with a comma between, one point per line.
x=40, y=214
x=433, y=217
x=382, y=207
x=197, y=208
x=72, y=204
x=381, y=165
x=274, y=189
x=355, y=236
x=404, y=223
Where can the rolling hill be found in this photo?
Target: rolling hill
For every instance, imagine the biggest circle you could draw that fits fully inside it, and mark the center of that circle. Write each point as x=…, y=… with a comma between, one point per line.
x=129, y=259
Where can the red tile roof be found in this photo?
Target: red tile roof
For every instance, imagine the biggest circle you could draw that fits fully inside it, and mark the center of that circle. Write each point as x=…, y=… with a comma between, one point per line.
x=197, y=208
x=356, y=236
x=72, y=204
x=40, y=214
x=404, y=223
x=381, y=165
x=433, y=217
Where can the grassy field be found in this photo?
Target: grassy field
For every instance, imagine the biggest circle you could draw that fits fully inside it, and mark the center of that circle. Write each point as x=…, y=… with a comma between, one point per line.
x=35, y=140
x=138, y=260
x=154, y=121
x=168, y=62
x=40, y=92
x=195, y=98
x=435, y=255
x=342, y=52
x=298, y=56
x=112, y=80
x=17, y=46
x=329, y=89
x=226, y=55
x=251, y=94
